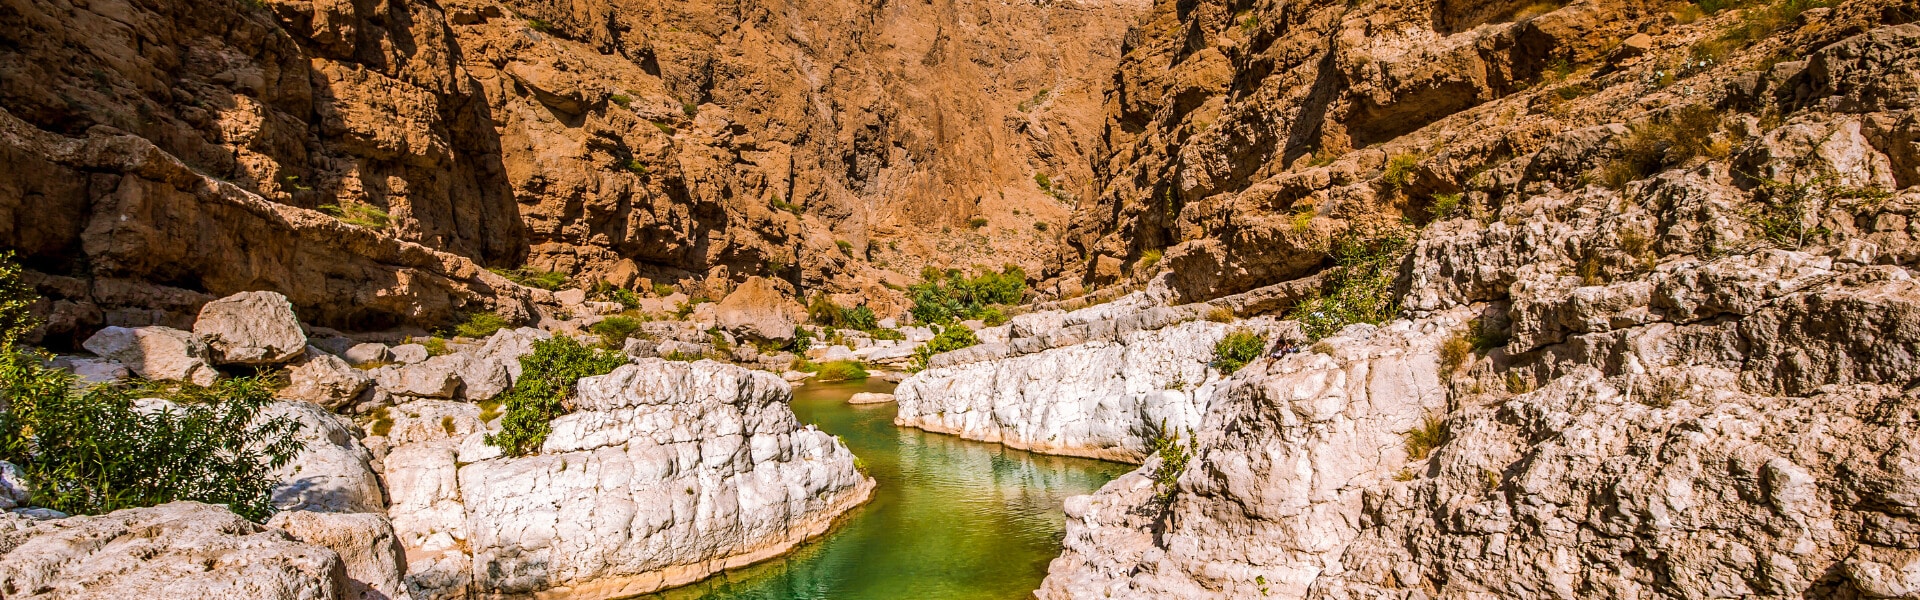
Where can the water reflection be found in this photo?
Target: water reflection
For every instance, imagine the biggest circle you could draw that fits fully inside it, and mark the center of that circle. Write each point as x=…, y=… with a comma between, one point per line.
x=951, y=519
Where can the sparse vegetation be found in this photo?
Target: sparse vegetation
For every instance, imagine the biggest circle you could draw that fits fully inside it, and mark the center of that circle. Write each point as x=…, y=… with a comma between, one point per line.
x=547, y=378
x=1454, y=352
x=977, y=222
x=1517, y=383
x=1666, y=141
x=1220, y=314
x=662, y=290
x=1398, y=173
x=1443, y=206
x=479, y=325
x=949, y=296
x=1361, y=285
x=1038, y=98
x=1789, y=213
x=621, y=99
x=614, y=331
x=1239, y=347
x=539, y=25
x=1174, y=453
x=436, y=346
x=1040, y=226
x=1485, y=338
x=1430, y=434
x=1148, y=260
x=781, y=204
x=546, y=280
x=359, y=215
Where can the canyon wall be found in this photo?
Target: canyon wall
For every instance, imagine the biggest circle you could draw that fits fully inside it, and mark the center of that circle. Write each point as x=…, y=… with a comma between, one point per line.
x=830, y=146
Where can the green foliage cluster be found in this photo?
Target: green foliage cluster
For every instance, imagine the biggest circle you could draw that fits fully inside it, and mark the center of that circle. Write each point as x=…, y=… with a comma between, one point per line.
x=547, y=378
x=1668, y=140
x=362, y=215
x=621, y=99
x=479, y=325
x=977, y=222
x=1148, y=260
x=1430, y=434
x=662, y=290
x=782, y=204
x=1236, y=349
x=1362, y=283
x=615, y=330
x=840, y=370
x=606, y=292
x=1399, y=170
x=945, y=297
x=823, y=311
x=1174, y=453
x=954, y=337
x=90, y=451
x=1444, y=206
x=546, y=280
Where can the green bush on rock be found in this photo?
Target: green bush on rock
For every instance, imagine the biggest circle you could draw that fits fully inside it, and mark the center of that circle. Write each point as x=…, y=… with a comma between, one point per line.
x=949, y=339
x=1239, y=347
x=948, y=296
x=92, y=451
x=547, y=378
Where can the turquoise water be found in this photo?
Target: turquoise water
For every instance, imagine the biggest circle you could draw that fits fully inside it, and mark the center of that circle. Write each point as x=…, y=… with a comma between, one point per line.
x=950, y=520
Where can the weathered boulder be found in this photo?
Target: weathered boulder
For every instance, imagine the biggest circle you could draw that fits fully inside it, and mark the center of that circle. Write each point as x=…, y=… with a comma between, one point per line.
x=326, y=380
x=333, y=472
x=251, y=328
x=92, y=370
x=758, y=309
x=361, y=354
x=408, y=354
x=177, y=550
x=870, y=398
x=158, y=353
x=436, y=377
x=366, y=544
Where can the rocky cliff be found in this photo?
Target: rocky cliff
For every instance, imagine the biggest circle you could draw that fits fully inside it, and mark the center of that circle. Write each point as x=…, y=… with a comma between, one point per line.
x=161, y=154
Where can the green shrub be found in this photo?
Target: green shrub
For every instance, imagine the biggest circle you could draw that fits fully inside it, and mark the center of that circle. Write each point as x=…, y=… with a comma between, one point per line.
x=781, y=204
x=1485, y=338
x=823, y=311
x=1040, y=226
x=1454, y=352
x=1175, y=453
x=949, y=339
x=887, y=334
x=1220, y=314
x=993, y=316
x=1239, y=347
x=977, y=222
x=662, y=290
x=621, y=99
x=90, y=451
x=479, y=325
x=841, y=370
x=628, y=299
x=615, y=330
x=547, y=378
x=1042, y=180
x=1361, y=285
x=1443, y=207
x=436, y=346
x=362, y=215
x=945, y=297
x=1148, y=260
x=1399, y=170
x=539, y=25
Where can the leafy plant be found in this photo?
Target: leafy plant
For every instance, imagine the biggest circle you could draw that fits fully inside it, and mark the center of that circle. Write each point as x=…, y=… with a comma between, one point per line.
x=1399, y=170
x=547, y=378
x=661, y=290
x=1361, y=284
x=1443, y=207
x=949, y=339
x=1175, y=453
x=90, y=451
x=1236, y=349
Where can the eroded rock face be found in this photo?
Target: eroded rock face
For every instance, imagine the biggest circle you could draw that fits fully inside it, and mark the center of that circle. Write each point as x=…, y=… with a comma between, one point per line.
x=367, y=547
x=666, y=472
x=251, y=328
x=333, y=472
x=326, y=380
x=177, y=550
x=757, y=309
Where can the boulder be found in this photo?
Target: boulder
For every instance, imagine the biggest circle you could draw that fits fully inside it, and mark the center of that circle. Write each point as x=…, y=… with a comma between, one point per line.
x=157, y=353
x=757, y=309
x=13, y=487
x=361, y=354
x=870, y=398
x=436, y=377
x=365, y=542
x=251, y=328
x=92, y=370
x=326, y=380
x=333, y=472
x=408, y=354
x=176, y=550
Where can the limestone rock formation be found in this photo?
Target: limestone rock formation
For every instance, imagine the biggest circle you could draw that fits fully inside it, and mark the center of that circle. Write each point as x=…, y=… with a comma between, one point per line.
x=326, y=380
x=757, y=309
x=333, y=471
x=1104, y=398
x=365, y=542
x=157, y=353
x=177, y=550
x=251, y=328
x=664, y=473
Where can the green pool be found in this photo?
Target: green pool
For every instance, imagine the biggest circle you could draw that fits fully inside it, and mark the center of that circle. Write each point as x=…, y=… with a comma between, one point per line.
x=952, y=519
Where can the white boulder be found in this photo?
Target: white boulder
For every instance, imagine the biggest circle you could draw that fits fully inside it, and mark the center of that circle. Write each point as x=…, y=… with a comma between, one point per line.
x=251, y=328
x=158, y=353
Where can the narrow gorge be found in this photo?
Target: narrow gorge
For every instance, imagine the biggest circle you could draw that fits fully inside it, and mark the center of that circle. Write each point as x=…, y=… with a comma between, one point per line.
x=1328, y=299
